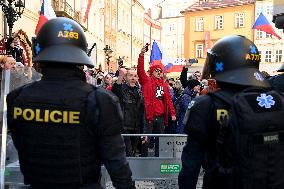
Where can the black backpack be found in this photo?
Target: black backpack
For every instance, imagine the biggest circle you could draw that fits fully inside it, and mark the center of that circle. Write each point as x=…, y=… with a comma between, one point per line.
x=250, y=141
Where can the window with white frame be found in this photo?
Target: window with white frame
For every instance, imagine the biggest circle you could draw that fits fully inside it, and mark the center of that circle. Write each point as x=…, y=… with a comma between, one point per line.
x=269, y=10
x=173, y=27
x=278, y=56
x=268, y=56
x=218, y=22
x=239, y=20
x=199, y=24
x=170, y=27
x=199, y=51
x=259, y=34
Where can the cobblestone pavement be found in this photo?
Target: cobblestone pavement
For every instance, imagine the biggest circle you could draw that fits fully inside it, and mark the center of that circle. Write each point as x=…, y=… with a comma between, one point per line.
x=159, y=184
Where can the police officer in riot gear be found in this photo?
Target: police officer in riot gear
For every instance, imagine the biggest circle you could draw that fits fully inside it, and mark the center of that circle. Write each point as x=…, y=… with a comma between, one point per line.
x=233, y=61
x=62, y=127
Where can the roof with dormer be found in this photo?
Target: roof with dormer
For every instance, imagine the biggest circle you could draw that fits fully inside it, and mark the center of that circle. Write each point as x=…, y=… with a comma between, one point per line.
x=216, y=4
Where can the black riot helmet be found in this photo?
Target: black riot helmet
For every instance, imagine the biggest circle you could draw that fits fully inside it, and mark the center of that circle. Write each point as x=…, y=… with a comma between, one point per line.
x=61, y=40
x=235, y=59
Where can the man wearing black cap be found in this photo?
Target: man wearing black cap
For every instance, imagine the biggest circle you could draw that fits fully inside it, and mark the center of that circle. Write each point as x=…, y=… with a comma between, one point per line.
x=235, y=133
x=63, y=128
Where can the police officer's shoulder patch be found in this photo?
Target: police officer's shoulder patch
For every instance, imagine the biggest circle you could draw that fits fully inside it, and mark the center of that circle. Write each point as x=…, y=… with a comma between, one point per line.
x=200, y=101
x=191, y=104
x=197, y=114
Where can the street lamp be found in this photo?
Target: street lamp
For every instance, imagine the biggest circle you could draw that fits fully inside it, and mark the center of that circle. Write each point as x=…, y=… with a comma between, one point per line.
x=12, y=11
x=108, y=52
x=120, y=62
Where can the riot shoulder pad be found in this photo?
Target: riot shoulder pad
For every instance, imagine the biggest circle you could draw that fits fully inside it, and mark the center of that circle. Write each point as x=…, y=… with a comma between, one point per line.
x=111, y=116
x=198, y=116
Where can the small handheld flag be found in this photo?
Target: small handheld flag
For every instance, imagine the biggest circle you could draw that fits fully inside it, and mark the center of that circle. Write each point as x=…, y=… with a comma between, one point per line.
x=159, y=56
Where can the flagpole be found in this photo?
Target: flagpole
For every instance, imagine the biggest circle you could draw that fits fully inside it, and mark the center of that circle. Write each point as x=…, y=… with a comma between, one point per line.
x=5, y=23
x=131, y=33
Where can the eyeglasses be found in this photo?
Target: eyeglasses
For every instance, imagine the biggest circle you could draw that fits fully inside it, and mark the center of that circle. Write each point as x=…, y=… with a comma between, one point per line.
x=159, y=71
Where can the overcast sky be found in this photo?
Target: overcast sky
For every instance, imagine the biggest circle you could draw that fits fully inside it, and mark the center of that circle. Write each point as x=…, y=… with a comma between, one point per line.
x=149, y=3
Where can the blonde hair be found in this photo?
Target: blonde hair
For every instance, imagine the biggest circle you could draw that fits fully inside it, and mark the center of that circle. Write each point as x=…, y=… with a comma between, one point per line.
x=3, y=59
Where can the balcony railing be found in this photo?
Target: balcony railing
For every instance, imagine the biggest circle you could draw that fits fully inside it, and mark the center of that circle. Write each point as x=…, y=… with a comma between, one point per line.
x=63, y=9
x=77, y=16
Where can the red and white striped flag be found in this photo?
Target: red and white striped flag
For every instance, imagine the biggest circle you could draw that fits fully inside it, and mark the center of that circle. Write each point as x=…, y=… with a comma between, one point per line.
x=46, y=13
x=87, y=10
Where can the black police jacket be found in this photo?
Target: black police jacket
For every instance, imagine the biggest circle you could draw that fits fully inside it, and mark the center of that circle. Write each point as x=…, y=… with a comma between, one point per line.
x=63, y=132
x=132, y=105
x=277, y=82
x=200, y=150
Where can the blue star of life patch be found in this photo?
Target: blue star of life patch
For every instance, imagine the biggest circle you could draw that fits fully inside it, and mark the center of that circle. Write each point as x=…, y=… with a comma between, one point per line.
x=68, y=27
x=37, y=48
x=265, y=100
x=258, y=76
x=252, y=49
x=219, y=66
x=191, y=104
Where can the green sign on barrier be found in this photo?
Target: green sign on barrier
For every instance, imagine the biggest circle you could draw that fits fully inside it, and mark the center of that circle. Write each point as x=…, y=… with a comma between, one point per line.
x=170, y=168
x=7, y=173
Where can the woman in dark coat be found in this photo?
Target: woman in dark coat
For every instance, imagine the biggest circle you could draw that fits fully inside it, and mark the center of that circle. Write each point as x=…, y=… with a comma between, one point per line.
x=190, y=92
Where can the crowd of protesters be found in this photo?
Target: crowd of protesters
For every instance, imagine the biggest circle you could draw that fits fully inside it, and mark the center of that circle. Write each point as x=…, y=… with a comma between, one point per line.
x=151, y=102
x=164, y=99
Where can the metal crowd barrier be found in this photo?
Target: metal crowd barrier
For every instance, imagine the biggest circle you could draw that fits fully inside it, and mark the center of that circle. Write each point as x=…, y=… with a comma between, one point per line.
x=156, y=172
x=148, y=172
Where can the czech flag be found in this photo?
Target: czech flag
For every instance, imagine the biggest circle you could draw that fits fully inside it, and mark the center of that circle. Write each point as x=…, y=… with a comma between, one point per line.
x=46, y=13
x=87, y=10
x=159, y=56
x=262, y=24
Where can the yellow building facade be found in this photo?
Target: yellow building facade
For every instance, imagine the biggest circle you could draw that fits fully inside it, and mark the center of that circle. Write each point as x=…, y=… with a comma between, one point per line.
x=116, y=23
x=208, y=21
x=74, y=9
x=28, y=20
x=110, y=31
x=137, y=31
x=130, y=31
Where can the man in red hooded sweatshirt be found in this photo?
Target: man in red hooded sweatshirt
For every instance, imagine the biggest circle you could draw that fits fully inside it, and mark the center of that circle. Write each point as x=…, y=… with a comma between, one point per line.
x=158, y=103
